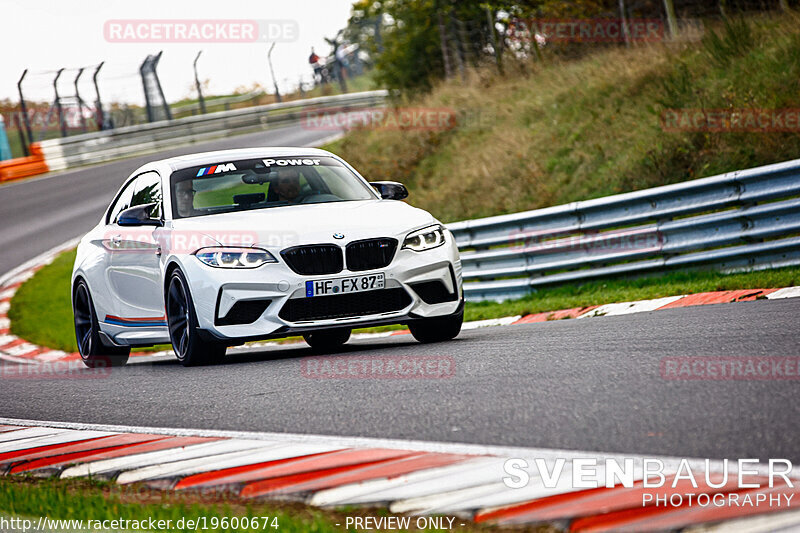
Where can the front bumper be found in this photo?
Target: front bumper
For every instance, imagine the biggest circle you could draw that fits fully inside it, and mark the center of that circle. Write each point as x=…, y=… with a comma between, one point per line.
x=216, y=291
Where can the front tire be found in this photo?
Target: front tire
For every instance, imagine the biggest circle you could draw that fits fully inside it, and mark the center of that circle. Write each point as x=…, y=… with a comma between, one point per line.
x=437, y=329
x=327, y=340
x=94, y=353
x=184, y=334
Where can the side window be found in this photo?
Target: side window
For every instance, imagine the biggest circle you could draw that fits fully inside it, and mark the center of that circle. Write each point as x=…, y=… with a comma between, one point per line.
x=147, y=191
x=122, y=202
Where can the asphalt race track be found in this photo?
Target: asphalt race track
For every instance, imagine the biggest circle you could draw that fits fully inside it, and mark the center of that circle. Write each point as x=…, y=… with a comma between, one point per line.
x=590, y=384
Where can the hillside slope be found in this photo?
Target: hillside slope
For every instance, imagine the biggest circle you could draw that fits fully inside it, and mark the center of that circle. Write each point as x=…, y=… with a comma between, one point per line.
x=573, y=130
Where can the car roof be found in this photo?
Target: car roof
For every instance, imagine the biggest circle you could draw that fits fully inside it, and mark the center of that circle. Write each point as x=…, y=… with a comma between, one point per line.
x=191, y=160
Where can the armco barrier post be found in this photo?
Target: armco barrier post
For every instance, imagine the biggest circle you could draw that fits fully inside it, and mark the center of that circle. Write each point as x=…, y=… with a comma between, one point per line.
x=98, y=103
x=25, y=118
x=200, y=99
x=59, y=109
x=80, y=100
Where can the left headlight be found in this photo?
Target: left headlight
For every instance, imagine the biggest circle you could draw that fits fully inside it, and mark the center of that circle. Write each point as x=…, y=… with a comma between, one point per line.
x=425, y=238
x=226, y=257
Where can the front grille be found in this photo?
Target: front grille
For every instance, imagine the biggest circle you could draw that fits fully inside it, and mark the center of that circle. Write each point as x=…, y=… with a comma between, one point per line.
x=243, y=312
x=370, y=254
x=314, y=259
x=434, y=292
x=345, y=305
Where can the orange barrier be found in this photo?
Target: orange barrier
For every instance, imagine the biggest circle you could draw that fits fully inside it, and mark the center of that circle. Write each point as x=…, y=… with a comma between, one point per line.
x=22, y=167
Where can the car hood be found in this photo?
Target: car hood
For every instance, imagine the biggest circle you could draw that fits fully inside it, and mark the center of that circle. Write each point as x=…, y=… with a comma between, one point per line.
x=281, y=227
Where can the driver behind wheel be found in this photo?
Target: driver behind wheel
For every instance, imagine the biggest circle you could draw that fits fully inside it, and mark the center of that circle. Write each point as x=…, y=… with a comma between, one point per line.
x=287, y=185
x=184, y=198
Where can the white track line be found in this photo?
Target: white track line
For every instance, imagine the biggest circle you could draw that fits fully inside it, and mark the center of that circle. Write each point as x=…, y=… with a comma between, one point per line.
x=31, y=432
x=161, y=457
x=505, y=321
x=50, y=356
x=7, y=339
x=486, y=496
x=21, y=349
x=17, y=360
x=548, y=454
x=48, y=440
x=787, y=292
x=491, y=494
x=417, y=484
x=39, y=260
x=325, y=140
x=219, y=462
x=627, y=308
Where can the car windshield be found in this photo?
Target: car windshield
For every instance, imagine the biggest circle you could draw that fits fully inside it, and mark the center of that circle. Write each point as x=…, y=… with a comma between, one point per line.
x=249, y=184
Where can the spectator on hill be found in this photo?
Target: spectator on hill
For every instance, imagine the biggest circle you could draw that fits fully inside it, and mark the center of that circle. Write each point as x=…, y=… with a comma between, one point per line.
x=313, y=60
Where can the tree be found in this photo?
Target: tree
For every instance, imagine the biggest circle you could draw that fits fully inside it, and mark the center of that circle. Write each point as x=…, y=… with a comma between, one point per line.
x=410, y=41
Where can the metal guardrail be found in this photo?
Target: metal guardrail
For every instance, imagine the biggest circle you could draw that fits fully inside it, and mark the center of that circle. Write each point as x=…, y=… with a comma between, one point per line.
x=78, y=150
x=748, y=219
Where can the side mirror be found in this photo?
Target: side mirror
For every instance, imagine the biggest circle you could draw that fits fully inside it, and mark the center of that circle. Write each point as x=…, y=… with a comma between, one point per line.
x=390, y=190
x=139, y=215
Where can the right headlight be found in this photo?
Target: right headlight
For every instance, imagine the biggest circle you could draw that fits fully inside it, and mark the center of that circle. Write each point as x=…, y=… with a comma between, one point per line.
x=425, y=238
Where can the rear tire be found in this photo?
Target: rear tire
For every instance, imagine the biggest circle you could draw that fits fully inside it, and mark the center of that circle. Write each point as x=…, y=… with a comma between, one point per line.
x=437, y=329
x=94, y=353
x=327, y=340
x=184, y=334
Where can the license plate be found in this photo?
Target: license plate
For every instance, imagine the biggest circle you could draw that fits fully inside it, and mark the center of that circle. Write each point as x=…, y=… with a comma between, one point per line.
x=330, y=287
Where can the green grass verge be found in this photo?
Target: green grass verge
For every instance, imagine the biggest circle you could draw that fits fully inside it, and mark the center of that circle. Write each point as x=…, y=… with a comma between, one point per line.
x=86, y=500
x=41, y=311
x=626, y=290
x=80, y=499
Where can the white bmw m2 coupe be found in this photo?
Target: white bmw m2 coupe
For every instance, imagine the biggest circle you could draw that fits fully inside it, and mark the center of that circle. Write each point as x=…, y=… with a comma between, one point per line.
x=217, y=249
